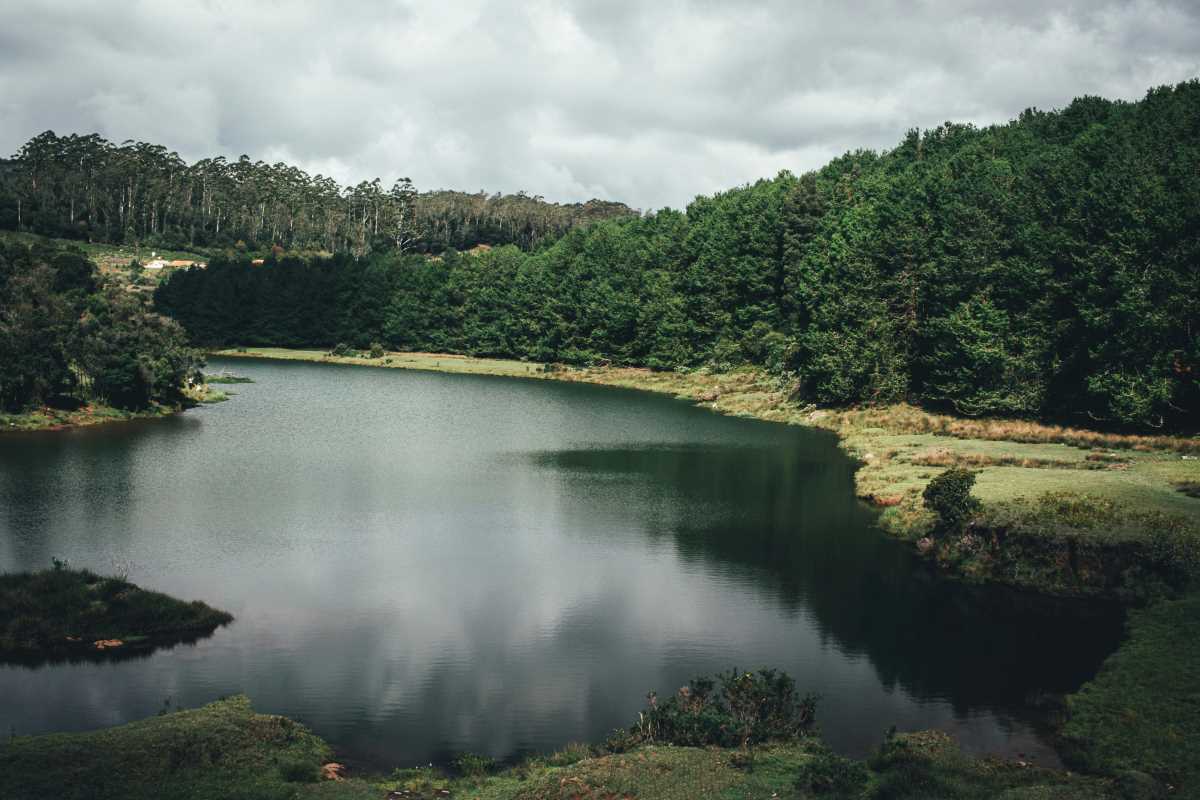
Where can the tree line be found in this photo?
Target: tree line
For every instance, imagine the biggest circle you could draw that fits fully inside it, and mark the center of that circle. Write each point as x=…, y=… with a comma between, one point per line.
x=85, y=187
x=1047, y=268
x=67, y=338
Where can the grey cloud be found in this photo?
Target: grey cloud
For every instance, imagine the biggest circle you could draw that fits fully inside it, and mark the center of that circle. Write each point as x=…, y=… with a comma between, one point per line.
x=650, y=103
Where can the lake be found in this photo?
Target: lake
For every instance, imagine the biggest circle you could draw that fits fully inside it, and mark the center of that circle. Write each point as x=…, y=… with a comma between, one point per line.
x=422, y=565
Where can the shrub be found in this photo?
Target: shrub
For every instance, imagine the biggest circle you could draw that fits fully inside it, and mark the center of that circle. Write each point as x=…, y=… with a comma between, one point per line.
x=341, y=349
x=299, y=771
x=735, y=709
x=949, y=496
x=831, y=776
x=622, y=740
x=376, y=350
x=471, y=765
x=573, y=753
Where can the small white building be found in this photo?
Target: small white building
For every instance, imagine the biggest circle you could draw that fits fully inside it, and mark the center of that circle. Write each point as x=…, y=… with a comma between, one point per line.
x=158, y=263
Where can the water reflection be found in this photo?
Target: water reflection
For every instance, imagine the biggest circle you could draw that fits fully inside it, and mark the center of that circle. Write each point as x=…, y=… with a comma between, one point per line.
x=425, y=564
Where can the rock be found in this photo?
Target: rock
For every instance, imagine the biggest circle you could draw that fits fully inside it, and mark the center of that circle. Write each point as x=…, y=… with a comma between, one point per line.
x=104, y=644
x=332, y=771
x=709, y=396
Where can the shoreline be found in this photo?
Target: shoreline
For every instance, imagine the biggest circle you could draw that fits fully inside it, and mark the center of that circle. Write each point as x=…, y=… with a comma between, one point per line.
x=1048, y=486
x=898, y=448
x=45, y=419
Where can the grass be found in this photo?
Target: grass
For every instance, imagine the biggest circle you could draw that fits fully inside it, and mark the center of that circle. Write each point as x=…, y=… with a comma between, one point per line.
x=62, y=612
x=226, y=750
x=1142, y=711
x=42, y=419
x=430, y=362
x=223, y=750
x=225, y=377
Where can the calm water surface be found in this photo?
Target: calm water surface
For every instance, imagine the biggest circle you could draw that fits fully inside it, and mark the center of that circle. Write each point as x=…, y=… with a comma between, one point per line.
x=424, y=564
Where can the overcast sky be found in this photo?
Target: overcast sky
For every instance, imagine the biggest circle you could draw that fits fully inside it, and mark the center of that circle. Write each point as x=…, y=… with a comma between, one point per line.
x=647, y=102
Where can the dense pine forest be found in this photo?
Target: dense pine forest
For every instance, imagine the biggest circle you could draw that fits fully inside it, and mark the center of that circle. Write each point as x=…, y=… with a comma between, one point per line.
x=1048, y=267
x=87, y=188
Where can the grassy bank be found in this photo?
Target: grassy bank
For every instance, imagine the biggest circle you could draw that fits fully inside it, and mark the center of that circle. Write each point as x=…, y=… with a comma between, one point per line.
x=48, y=419
x=226, y=750
x=1141, y=714
x=63, y=612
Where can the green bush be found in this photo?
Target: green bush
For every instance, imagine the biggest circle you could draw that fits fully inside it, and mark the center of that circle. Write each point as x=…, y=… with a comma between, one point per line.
x=376, y=350
x=573, y=753
x=299, y=771
x=831, y=776
x=472, y=765
x=735, y=709
x=342, y=350
x=622, y=740
x=949, y=496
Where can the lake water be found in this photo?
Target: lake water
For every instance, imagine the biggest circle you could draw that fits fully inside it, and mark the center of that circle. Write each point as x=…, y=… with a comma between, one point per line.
x=423, y=564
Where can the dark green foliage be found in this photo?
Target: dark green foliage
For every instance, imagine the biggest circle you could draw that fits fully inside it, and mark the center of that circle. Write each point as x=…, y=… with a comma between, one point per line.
x=926, y=765
x=63, y=340
x=300, y=770
x=831, y=777
x=949, y=496
x=1045, y=268
x=1141, y=711
x=223, y=750
x=734, y=709
x=376, y=350
x=472, y=765
x=61, y=610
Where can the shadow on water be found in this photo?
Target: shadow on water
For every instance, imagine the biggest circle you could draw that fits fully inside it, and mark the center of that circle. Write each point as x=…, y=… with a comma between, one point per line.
x=130, y=651
x=779, y=519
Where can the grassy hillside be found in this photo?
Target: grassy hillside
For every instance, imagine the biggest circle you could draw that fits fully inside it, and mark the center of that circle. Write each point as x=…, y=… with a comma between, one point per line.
x=226, y=750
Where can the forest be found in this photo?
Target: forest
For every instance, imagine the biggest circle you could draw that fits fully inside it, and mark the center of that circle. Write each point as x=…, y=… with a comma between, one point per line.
x=1045, y=268
x=67, y=338
x=87, y=188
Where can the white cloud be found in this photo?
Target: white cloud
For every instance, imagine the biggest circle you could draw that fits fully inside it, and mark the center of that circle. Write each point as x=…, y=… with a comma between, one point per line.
x=646, y=103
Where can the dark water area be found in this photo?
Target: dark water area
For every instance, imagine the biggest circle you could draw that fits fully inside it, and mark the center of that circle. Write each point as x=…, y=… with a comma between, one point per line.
x=422, y=565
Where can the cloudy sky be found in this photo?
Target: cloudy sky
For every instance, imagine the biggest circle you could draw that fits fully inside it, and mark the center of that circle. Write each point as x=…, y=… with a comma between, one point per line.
x=647, y=102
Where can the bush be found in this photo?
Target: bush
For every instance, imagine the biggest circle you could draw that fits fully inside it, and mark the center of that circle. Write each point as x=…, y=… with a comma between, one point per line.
x=341, y=349
x=622, y=740
x=831, y=776
x=735, y=709
x=949, y=496
x=376, y=350
x=573, y=753
x=471, y=765
x=299, y=771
